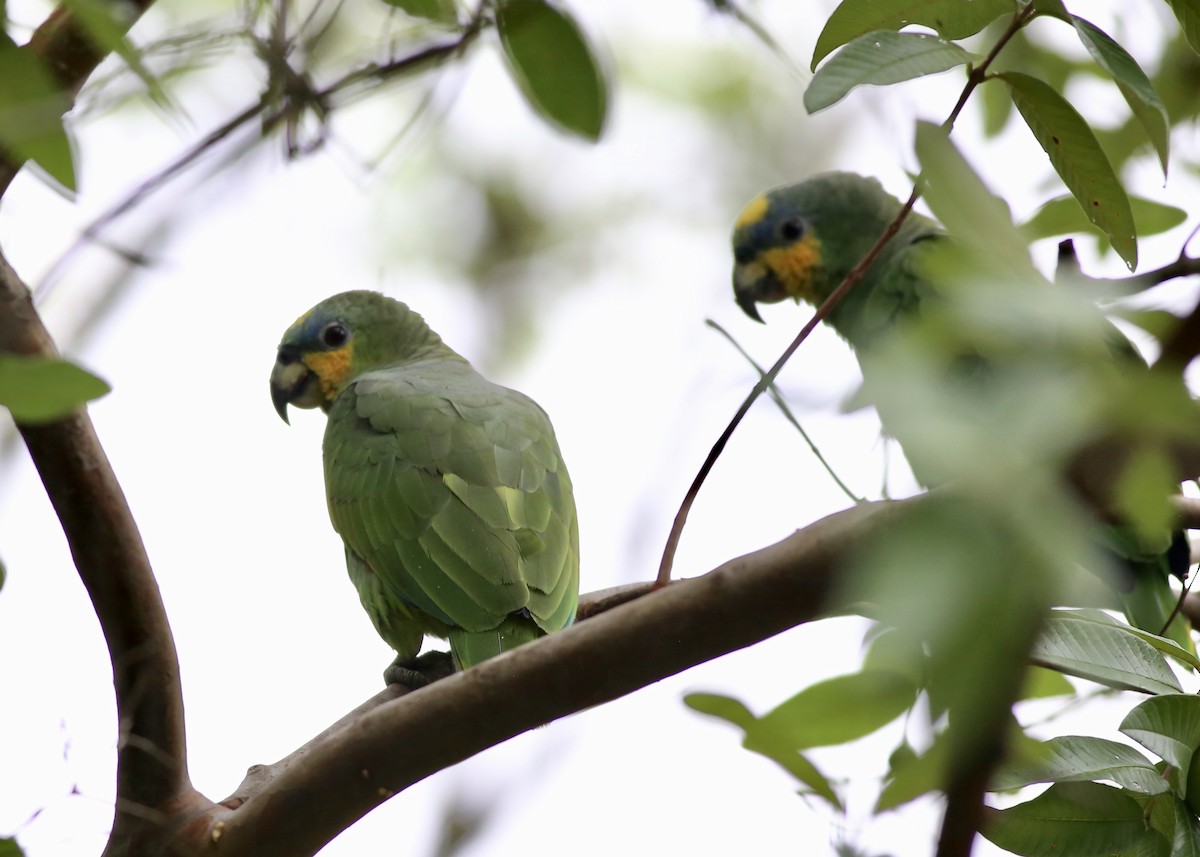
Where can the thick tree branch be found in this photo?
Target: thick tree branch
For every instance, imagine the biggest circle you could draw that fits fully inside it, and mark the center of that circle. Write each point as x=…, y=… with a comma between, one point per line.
x=295, y=806
x=112, y=563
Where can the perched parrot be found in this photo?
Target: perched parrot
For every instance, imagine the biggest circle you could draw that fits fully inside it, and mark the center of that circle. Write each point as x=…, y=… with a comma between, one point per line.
x=801, y=240
x=449, y=491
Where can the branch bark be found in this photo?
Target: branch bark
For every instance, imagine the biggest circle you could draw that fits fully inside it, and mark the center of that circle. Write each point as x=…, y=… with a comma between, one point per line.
x=112, y=563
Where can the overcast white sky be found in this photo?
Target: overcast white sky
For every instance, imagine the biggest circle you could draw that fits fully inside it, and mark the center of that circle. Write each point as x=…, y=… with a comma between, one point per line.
x=272, y=643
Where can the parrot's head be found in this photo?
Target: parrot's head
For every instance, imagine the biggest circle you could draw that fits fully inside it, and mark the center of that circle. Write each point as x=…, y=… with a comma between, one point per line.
x=339, y=339
x=800, y=240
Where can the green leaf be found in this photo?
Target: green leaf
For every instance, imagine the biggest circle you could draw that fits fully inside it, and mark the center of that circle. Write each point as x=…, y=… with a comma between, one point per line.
x=838, y=710
x=31, y=111
x=43, y=389
x=1063, y=216
x=437, y=11
x=1107, y=654
x=1162, y=644
x=1137, y=89
x=1081, y=758
x=10, y=848
x=911, y=776
x=1077, y=158
x=950, y=19
x=106, y=29
x=881, y=57
x=1143, y=493
x=552, y=64
x=1188, y=14
x=1187, y=832
x=1073, y=820
x=765, y=742
x=1168, y=726
x=1041, y=683
x=722, y=707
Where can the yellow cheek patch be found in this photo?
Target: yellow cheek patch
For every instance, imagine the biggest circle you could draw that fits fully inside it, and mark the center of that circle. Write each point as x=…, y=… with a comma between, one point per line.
x=795, y=266
x=331, y=369
x=754, y=211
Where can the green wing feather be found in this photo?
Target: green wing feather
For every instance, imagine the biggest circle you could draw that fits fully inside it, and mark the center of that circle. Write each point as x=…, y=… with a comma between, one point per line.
x=455, y=506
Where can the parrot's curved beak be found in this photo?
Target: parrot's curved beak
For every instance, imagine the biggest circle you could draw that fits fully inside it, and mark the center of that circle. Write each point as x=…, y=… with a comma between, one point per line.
x=293, y=383
x=754, y=283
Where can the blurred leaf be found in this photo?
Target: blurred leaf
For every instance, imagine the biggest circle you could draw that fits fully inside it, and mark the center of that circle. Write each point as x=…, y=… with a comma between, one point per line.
x=102, y=21
x=1041, y=683
x=10, y=848
x=1073, y=820
x=1064, y=216
x=723, y=707
x=1137, y=89
x=1157, y=322
x=43, y=389
x=880, y=57
x=1106, y=654
x=1188, y=14
x=838, y=710
x=910, y=776
x=437, y=11
x=1143, y=492
x=951, y=19
x=764, y=742
x=1077, y=158
x=1081, y=758
x=3, y=573
x=1168, y=726
x=31, y=111
x=552, y=64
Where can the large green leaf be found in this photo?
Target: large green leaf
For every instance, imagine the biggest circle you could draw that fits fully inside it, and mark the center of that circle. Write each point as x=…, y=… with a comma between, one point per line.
x=951, y=19
x=1078, y=159
x=839, y=709
x=1187, y=832
x=1063, y=216
x=438, y=11
x=1074, y=820
x=552, y=64
x=1081, y=758
x=43, y=389
x=1108, y=654
x=1135, y=86
x=1188, y=13
x=880, y=57
x=1168, y=726
x=1162, y=644
x=31, y=111
x=10, y=848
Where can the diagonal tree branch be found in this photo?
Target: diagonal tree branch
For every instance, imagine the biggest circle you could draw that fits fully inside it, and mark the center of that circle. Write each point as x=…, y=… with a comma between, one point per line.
x=112, y=563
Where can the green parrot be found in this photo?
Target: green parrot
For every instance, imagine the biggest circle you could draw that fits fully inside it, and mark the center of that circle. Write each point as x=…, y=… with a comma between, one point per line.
x=449, y=492
x=801, y=240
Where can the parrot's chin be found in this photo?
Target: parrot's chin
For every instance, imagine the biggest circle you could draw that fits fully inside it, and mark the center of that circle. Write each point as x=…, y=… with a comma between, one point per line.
x=294, y=384
x=753, y=284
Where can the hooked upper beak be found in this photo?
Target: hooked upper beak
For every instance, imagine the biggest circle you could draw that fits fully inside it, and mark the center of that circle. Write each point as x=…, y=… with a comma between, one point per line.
x=754, y=283
x=292, y=383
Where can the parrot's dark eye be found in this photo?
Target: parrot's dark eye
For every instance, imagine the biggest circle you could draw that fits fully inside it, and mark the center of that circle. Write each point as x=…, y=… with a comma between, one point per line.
x=335, y=335
x=792, y=230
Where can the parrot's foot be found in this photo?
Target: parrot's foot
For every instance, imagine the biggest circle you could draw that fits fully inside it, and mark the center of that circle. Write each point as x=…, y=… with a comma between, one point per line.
x=420, y=671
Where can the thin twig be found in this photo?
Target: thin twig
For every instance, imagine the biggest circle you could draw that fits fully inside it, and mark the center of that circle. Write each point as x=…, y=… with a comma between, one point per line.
x=773, y=390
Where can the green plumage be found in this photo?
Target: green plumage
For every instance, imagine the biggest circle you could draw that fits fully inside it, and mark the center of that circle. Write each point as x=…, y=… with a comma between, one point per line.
x=800, y=242
x=449, y=491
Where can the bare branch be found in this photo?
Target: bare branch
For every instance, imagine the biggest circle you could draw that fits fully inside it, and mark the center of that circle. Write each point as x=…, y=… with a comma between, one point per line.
x=112, y=563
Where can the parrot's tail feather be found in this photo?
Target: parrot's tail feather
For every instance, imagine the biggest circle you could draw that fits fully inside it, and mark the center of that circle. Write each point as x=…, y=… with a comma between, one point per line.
x=472, y=647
